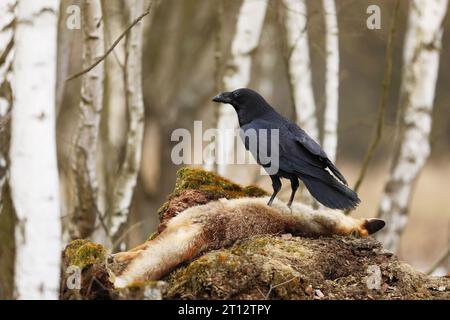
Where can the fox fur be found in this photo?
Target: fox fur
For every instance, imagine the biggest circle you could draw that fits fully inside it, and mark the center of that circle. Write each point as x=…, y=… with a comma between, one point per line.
x=221, y=223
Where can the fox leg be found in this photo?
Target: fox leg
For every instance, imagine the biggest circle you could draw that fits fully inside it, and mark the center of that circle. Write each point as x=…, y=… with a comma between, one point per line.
x=139, y=247
x=125, y=256
x=130, y=254
x=178, y=243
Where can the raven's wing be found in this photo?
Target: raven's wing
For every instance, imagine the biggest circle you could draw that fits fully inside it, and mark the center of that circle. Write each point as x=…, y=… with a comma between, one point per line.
x=298, y=151
x=314, y=148
x=294, y=157
x=289, y=152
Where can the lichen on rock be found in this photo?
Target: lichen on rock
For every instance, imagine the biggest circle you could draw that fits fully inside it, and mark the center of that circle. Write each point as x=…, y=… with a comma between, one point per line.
x=90, y=260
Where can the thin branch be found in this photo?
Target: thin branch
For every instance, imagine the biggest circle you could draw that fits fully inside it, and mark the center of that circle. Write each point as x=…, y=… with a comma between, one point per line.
x=383, y=99
x=278, y=285
x=116, y=42
x=108, y=40
x=439, y=261
x=127, y=232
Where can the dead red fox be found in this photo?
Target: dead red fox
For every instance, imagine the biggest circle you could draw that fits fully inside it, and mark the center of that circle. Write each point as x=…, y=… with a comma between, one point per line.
x=219, y=224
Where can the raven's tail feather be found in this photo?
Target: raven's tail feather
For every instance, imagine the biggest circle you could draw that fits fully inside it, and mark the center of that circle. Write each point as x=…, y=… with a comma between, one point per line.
x=332, y=195
x=336, y=172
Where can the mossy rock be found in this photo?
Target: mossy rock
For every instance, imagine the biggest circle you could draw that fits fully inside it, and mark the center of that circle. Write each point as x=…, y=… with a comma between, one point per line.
x=286, y=267
x=91, y=259
x=150, y=290
x=195, y=186
x=84, y=253
x=272, y=267
x=198, y=179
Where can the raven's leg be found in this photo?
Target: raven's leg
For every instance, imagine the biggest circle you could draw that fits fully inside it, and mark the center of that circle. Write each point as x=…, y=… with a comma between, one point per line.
x=294, y=186
x=276, y=184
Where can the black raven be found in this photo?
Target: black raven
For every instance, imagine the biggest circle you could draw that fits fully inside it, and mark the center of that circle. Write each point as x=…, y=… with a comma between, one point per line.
x=299, y=156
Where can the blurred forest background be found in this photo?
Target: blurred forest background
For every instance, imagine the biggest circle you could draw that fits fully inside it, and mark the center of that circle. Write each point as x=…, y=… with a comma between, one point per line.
x=185, y=48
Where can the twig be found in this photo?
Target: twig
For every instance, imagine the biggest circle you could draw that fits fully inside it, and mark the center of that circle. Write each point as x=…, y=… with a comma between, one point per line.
x=438, y=262
x=101, y=218
x=383, y=100
x=108, y=39
x=123, y=235
x=278, y=285
x=116, y=42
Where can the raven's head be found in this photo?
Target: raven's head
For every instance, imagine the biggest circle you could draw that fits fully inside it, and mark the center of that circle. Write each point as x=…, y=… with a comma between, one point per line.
x=240, y=98
x=248, y=103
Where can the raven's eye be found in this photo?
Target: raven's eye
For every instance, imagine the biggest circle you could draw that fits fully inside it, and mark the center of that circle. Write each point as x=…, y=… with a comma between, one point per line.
x=235, y=94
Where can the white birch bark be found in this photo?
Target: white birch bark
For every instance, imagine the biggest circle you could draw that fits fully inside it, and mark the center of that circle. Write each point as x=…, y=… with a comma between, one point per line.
x=299, y=73
x=420, y=71
x=210, y=158
x=115, y=97
x=86, y=137
x=34, y=174
x=113, y=131
x=126, y=181
x=237, y=74
x=300, y=67
x=330, y=136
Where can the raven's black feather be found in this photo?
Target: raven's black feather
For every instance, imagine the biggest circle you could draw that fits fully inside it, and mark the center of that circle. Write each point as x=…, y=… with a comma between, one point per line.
x=332, y=195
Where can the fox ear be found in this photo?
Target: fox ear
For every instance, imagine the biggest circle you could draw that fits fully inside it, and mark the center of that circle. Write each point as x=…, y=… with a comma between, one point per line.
x=373, y=225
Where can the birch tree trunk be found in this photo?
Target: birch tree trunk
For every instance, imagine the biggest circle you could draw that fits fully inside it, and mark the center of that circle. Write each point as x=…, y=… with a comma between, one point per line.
x=330, y=137
x=300, y=67
x=237, y=74
x=34, y=174
x=113, y=126
x=299, y=74
x=126, y=181
x=420, y=71
x=115, y=112
x=210, y=158
x=7, y=215
x=86, y=137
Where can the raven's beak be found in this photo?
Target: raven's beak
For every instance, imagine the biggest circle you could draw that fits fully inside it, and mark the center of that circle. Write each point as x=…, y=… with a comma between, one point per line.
x=224, y=97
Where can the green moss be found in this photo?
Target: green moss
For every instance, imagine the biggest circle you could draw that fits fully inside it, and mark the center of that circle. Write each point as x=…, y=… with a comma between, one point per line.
x=193, y=178
x=163, y=208
x=213, y=185
x=83, y=253
x=214, y=275
x=254, y=191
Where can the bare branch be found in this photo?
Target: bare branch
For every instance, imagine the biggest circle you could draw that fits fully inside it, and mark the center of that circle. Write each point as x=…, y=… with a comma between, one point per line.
x=439, y=261
x=383, y=99
x=115, y=43
x=277, y=286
